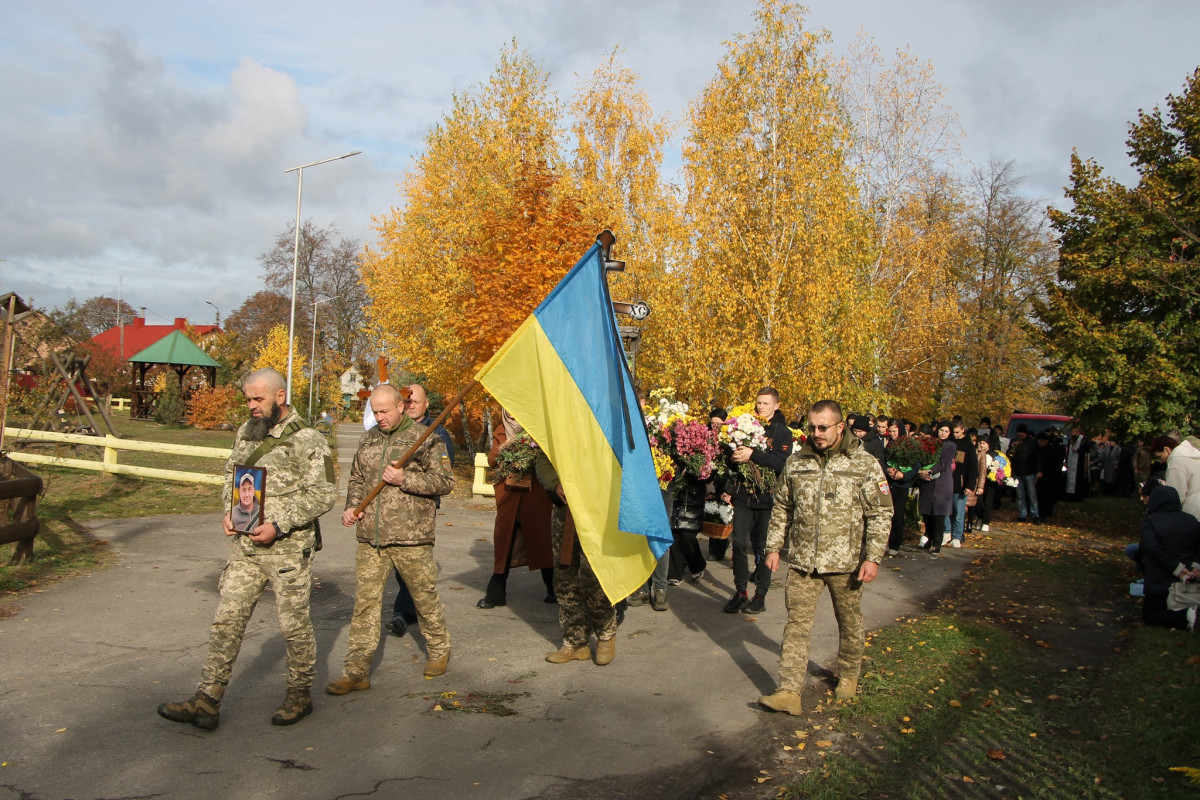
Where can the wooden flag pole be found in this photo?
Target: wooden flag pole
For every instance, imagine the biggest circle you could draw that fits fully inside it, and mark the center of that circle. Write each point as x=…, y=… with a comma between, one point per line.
x=408, y=454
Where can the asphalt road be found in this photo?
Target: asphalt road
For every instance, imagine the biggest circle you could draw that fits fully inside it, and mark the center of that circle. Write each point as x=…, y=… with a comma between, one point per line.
x=86, y=662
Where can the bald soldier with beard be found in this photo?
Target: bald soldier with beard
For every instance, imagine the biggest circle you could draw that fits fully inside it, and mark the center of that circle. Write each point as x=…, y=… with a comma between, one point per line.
x=279, y=551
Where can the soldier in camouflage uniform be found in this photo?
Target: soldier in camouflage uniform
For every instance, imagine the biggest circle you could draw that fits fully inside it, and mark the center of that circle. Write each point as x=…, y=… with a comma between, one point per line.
x=395, y=531
x=832, y=515
x=583, y=607
x=299, y=489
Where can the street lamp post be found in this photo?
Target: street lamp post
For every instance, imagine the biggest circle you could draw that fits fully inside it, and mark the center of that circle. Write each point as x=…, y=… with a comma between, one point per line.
x=296, y=258
x=312, y=358
x=214, y=305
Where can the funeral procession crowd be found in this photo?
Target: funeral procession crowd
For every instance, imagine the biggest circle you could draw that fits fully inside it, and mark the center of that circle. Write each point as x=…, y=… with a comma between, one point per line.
x=825, y=500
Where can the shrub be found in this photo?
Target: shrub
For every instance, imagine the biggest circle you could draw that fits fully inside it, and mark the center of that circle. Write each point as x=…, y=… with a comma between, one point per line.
x=212, y=407
x=168, y=410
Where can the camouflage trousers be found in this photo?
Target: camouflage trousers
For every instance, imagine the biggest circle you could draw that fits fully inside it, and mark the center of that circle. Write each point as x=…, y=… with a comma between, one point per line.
x=583, y=607
x=372, y=568
x=803, y=591
x=242, y=583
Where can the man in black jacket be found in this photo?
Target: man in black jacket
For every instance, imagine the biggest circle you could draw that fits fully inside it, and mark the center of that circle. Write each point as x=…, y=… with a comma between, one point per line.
x=966, y=476
x=752, y=508
x=1026, y=464
x=1050, y=479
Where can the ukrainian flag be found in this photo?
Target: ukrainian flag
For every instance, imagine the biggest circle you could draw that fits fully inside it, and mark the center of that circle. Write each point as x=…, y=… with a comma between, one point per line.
x=562, y=375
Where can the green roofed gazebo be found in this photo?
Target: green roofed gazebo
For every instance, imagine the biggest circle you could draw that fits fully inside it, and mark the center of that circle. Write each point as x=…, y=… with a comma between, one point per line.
x=174, y=350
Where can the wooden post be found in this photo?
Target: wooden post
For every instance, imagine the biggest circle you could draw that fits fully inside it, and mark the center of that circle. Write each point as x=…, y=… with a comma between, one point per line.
x=70, y=379
x=7, y=355
x=101, y=405
x=110, y=453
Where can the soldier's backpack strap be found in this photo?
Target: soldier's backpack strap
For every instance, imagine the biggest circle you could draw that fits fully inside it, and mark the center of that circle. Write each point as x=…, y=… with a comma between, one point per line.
x=270, y=443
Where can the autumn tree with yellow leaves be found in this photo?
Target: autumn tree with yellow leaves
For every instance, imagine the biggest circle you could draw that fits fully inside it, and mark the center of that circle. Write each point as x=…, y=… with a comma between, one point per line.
x=618, y=173
x=903, y=150
x=777, y=285
x=821, y=241
x=489, y=223
x=274, y=354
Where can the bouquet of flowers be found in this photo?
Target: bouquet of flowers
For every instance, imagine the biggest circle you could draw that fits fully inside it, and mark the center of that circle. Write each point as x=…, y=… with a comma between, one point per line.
x=999, y=470
x=663, y=411
x=694, y=447
x=798, y=435
x=514, y=462
x=664, y=468
x=913, y=452
x=745, y=429
x=680, y=443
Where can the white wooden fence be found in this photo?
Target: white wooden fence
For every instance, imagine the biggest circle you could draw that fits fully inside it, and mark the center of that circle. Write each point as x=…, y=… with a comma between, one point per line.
x=108, y=462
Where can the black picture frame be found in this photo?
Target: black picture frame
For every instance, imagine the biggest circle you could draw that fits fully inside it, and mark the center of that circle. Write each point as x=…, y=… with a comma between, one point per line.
x=256, y=477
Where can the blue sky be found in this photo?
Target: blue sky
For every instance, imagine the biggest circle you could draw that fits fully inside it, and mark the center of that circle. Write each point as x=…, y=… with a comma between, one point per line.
x=146, y=142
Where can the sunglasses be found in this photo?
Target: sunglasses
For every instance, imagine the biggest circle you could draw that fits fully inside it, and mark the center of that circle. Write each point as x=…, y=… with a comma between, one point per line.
x=822, y=428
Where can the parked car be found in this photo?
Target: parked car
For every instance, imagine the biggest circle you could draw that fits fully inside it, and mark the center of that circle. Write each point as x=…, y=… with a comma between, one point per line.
x=1036, y=423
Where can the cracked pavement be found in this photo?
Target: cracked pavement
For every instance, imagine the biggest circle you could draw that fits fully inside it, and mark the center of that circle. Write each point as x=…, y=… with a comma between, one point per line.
x=87, y=661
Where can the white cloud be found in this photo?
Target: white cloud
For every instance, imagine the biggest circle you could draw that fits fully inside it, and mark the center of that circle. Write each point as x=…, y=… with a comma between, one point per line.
x=150, y=139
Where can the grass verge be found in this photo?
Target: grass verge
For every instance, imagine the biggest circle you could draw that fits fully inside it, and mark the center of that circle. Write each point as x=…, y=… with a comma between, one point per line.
x=70, y=498
x=1034, y=679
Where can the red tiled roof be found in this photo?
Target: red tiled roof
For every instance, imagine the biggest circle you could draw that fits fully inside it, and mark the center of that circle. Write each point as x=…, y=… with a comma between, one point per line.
x=139, y=336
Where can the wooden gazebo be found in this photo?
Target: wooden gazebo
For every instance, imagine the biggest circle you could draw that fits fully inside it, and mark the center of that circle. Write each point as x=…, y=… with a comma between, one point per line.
x=174, y=350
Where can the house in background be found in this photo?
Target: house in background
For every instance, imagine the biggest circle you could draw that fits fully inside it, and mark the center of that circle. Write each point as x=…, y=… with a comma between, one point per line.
x=123, y=341
x=352, y=385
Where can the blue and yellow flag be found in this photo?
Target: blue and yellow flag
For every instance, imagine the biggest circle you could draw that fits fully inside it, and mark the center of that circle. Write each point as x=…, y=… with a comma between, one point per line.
x=562, y=375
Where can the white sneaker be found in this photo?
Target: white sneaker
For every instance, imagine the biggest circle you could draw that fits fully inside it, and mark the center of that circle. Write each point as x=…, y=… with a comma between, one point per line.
x=955, y=543
x=984, y=529
x=893, y=551
x=924, y=541
x=945, y=539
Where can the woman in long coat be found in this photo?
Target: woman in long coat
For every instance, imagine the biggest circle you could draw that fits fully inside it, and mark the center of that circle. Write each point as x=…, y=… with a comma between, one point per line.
x=937, y=491
x=522, y=533
x=899, y=484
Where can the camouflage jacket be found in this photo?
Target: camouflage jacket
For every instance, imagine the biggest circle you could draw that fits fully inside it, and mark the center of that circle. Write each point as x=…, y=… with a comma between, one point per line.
x=300, y=484
x=401, y=514
x=833, y=510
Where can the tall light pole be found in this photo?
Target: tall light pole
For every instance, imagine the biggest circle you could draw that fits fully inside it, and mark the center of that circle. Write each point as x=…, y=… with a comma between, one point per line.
x=296, y=257
x=312, y=358
x=214, y=305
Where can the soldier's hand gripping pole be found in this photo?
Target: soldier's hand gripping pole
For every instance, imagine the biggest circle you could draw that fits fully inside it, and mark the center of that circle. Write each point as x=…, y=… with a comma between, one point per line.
x=411, y=451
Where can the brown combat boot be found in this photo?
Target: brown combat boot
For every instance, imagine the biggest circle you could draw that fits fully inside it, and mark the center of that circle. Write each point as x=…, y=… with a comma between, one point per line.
x=606, y=651
x=346, y=685
x=296, y=706
x=784, y=700
x=200, y=710
x=658, y=600
x=567, y=653
x=846, y=689
x=436, y=665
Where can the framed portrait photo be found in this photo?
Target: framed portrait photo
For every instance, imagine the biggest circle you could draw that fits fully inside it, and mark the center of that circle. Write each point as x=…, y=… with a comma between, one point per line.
x=249, y=494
